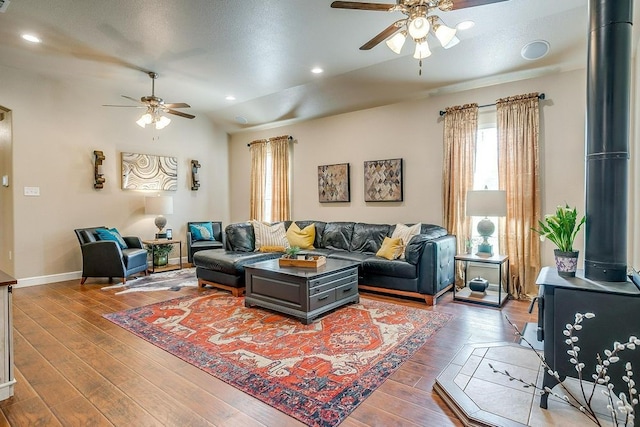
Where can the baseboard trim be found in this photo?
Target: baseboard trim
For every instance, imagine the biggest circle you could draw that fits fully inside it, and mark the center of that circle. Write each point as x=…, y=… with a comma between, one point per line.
x=61, y=277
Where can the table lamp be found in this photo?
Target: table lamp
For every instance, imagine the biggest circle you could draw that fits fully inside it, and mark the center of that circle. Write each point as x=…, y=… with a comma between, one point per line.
x=159, y=205
x=486, y=203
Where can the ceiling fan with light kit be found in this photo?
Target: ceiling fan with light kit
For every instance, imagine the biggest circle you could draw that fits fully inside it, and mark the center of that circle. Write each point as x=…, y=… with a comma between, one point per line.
x=420, y=21
x=155, y=107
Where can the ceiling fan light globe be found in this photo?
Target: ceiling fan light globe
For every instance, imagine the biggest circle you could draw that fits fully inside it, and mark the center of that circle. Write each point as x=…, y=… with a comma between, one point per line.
x=396, y=42
x=140, y=122
x=422, y=50
x=419, y=27
x=445, y=34
x=162, y=122
x=454, y=41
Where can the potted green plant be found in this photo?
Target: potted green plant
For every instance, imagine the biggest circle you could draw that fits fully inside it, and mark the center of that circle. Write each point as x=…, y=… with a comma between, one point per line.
x=292, y=252
x=160, y=254
x=561, y=228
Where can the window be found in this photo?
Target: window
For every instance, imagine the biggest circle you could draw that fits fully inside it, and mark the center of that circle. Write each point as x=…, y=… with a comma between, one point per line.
x=485, y=175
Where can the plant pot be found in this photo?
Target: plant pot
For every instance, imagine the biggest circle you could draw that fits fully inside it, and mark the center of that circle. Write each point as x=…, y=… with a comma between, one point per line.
x=160, y=260
x=566, y=262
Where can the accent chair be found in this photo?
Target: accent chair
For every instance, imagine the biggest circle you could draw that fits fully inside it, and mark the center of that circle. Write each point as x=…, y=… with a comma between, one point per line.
x=202, y=235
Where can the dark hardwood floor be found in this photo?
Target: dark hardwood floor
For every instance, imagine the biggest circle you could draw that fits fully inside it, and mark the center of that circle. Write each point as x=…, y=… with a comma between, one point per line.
x=74, y=368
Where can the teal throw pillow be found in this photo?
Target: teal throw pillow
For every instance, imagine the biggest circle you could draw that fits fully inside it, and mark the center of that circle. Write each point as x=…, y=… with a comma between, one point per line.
x=111, y=234
x=202, y=231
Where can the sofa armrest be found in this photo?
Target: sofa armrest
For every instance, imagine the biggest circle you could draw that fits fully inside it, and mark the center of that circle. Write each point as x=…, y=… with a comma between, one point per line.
x=189, y=241
x=133, y=242
x=435, y=261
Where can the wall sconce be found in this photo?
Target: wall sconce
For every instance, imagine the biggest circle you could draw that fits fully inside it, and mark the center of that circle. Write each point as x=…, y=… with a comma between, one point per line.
x=195, y=179
x=98, y=175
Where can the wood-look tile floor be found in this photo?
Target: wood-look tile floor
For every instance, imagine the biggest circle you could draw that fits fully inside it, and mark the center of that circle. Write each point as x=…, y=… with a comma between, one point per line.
x=75, y=368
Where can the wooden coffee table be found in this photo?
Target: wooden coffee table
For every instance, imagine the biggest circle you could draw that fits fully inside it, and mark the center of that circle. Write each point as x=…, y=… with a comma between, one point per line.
x=302, y=292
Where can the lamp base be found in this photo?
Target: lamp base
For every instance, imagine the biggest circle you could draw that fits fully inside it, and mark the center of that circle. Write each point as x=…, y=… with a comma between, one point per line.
x=485, y=250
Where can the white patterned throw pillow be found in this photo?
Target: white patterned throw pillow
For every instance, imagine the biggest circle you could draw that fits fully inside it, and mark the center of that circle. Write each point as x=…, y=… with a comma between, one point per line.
x=406, y=233
x=269, y=235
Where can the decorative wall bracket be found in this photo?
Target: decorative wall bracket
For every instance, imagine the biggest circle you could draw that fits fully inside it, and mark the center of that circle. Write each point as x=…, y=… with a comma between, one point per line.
x=98, y=175
x=195, y=179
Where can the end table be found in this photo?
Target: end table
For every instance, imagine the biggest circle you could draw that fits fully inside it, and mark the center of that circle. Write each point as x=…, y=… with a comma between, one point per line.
x=494, y=294
x=169, y=267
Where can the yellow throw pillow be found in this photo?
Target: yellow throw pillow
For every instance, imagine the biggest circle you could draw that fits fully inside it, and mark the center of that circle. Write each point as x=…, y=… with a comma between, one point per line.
x=302, y=238
x=391, y=248
x=271, y=249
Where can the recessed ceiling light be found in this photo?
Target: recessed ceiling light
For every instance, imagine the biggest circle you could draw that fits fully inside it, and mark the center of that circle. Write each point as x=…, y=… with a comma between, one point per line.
x=317, y=70
x=242, y=120
x=465, y=25
x=535, y=50
x=230, y=98
x=31, y=38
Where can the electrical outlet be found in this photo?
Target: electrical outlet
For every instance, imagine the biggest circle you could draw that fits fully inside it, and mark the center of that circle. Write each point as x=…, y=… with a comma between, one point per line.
x=31, y=191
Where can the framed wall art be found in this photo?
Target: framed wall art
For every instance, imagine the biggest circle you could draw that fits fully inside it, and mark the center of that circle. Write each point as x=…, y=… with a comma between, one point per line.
x=149, y=172
x=333, y=183
x=383, y=180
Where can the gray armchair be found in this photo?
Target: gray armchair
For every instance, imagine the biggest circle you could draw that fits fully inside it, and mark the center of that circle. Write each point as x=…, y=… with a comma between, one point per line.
x=105, y=258
x=194, y=245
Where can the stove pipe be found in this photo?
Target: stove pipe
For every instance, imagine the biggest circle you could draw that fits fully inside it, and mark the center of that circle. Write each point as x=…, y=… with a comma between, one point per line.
x=608, y=92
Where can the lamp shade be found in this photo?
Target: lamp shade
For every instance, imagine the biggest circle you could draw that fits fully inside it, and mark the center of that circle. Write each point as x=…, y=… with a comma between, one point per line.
x=396, y=42
x=487, y=203
x=419, y=27
x=445, y=34
x=422, y=50
x=158, y=205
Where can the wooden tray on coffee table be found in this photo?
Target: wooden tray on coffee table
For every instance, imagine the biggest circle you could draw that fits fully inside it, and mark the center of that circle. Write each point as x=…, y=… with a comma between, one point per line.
x=313, y=262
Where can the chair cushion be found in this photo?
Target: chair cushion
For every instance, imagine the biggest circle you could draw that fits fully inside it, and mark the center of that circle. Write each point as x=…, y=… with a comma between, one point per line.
x=396, y=268
x=302, y=238
x=209, y=244
x=111, y=234
x=202, y=231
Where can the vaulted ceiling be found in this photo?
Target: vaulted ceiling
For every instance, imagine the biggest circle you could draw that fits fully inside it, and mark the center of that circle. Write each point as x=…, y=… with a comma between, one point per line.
x=262, y=52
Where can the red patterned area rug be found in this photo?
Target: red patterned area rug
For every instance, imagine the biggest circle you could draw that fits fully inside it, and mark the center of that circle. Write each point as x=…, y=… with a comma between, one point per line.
x=317, y=373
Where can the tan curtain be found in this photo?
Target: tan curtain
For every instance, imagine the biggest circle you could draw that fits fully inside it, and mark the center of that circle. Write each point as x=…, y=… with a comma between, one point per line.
x=460, y=130
x=518, y=169
x=280, y=199
x=258, y=151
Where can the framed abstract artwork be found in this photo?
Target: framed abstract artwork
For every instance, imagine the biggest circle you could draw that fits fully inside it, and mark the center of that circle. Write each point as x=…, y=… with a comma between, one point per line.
x=149, y=172
x=333, y=183
x=383, y=180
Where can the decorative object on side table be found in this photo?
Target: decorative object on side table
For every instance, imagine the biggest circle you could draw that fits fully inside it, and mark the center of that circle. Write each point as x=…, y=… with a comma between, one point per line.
x=561, y=228
x=159, y=205
x=486, y=203
x=160, y=254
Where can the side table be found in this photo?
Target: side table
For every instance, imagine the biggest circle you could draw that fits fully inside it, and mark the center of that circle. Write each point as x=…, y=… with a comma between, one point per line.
x=494, y=295
x=169, y=267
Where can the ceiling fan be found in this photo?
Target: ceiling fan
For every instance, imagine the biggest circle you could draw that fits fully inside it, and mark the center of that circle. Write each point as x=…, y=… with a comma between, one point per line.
x=418, y=23
x=155, y=107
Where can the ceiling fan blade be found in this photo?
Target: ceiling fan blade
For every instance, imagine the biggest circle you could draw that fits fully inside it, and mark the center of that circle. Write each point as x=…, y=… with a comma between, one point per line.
x=179, y=113
x=461, y=4
x=125, y=106
x=177, y=105
x=361, y=6
x=133, y=99
x=383, y=35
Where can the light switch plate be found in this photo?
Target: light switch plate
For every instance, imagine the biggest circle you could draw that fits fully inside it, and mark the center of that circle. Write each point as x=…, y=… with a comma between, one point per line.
x=5, y=180
x=31, y=191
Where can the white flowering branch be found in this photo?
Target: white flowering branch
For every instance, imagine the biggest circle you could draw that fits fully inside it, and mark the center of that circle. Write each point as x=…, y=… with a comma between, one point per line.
x=621, y=406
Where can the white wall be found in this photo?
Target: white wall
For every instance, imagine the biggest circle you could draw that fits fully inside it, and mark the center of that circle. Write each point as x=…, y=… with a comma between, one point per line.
x=56, y=126
x=414, y=131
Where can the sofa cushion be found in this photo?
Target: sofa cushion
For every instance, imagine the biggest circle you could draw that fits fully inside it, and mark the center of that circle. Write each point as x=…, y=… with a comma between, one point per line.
x=384, y=267
x=209, y=244
x=113, y=235
x=229, y=262
x=302, y=238
x=337, y=235
x=406, y=233
x=201, y=231
x=349, y=256
x=368, y=237
x=240, y=237
x=391, y=248
x=269, y=234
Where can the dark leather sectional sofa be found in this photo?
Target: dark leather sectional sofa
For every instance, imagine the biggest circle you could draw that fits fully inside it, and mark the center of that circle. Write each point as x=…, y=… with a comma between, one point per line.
x=426, y=272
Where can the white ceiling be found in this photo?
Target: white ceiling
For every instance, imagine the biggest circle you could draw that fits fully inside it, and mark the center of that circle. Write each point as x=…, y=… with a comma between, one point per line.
x=261, y=51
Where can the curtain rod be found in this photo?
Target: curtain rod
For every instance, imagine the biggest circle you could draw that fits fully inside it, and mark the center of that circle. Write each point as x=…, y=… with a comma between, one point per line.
x=290, y=138
x=442, y=112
